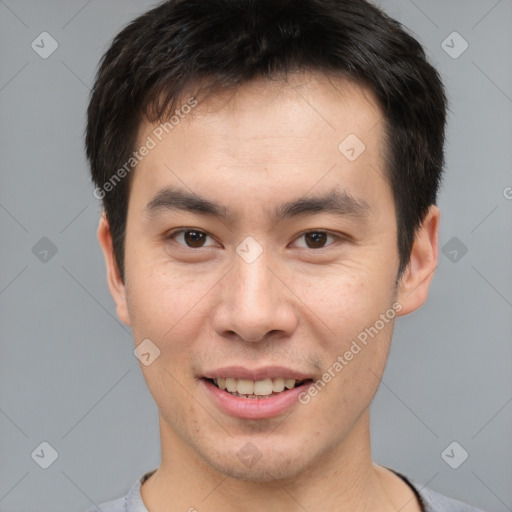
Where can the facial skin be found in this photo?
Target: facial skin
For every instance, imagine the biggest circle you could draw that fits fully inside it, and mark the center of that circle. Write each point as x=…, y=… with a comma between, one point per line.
x=296, y=305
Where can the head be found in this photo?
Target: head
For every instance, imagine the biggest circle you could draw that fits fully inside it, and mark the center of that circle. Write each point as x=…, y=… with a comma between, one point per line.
x=301, y=144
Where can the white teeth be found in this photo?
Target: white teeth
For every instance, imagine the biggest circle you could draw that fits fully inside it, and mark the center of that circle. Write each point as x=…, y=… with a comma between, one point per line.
x=245, y=387
x=255, y=388
x=231, y=385
x=278, y=385
x=289, y=383
x=263, y=387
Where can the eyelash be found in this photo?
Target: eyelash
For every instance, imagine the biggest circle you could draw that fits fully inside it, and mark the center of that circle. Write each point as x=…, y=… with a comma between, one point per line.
x=174, y=234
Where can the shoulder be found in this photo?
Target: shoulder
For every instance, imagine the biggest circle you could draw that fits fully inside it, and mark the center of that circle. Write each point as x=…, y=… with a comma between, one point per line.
x=432, y=501
x=117, y=505
x=435, y=502
x=132, y=502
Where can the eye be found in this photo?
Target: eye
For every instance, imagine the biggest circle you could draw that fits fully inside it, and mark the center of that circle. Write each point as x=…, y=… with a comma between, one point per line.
x=192, y=238
x=316, y=239
x=195, y=238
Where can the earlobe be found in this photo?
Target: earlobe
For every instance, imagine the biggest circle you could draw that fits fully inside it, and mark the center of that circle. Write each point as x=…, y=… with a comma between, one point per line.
x=115, y=283
x=414, y=284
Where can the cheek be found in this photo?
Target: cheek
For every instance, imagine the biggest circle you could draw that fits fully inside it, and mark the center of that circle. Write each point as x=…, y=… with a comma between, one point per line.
x=356, y=341
x=346, y=300
x=160, y=299
x=173, y=309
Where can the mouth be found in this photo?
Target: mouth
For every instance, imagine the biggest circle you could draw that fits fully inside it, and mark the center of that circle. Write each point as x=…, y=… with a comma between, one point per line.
x=256, y=390
x=244, y=398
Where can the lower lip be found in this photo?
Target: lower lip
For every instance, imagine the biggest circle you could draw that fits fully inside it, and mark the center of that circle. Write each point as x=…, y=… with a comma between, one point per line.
x=254, y=408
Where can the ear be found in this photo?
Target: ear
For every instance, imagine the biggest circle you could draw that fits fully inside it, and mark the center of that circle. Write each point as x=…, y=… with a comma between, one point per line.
x=415, y=281
x=116, y=286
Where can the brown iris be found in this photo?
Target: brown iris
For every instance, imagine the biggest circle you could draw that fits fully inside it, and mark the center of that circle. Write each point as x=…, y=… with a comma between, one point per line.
x=316, y=237
x=194, y=238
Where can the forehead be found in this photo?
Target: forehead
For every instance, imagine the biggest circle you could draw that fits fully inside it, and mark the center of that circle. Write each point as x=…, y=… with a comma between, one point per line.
x=269, y=137
x=304, y=105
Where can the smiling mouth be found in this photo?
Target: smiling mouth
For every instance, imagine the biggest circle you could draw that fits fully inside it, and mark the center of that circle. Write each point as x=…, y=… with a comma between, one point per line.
x=260, y=389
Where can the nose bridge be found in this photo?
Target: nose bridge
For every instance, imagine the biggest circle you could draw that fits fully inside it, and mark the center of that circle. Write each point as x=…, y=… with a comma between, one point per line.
x=254, y=301
x=253, y=284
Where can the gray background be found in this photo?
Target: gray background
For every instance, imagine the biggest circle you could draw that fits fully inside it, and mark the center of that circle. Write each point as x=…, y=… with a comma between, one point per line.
x=67, y=372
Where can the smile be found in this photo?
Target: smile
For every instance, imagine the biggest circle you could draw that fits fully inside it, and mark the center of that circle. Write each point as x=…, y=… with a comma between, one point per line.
x=255, y=389
x=254, y=394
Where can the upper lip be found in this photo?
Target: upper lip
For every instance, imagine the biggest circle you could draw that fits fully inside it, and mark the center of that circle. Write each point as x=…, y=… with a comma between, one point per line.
x=266, y=372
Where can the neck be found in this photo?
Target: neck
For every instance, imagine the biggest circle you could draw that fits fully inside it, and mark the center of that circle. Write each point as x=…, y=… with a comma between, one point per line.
x=343, y=478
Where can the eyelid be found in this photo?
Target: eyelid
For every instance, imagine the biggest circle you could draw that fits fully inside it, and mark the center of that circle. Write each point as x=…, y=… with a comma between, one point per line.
x=336, y=236
x=172, y=235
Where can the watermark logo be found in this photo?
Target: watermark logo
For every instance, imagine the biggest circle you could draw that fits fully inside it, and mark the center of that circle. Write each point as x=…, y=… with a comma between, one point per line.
x=146, y=352
x=44, y=45
x=44, y=455
x=351, y=147
x=454, y=45
x=356, y=347
x=454, y=249
x=149, y=144
x=249, y=454
x=454, y=455
x=249, y=250
x=44, y=250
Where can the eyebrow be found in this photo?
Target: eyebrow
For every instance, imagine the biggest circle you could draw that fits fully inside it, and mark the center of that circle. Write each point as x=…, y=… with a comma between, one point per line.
x=338, y=202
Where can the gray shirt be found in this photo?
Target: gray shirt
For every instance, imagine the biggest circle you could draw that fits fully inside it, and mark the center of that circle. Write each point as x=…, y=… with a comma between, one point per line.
x=430, y=500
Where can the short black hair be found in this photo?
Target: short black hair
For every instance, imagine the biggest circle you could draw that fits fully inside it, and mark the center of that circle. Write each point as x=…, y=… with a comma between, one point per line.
x=217, y=45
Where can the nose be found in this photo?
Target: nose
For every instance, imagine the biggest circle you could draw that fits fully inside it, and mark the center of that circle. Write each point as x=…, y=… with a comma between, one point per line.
x=255, y=304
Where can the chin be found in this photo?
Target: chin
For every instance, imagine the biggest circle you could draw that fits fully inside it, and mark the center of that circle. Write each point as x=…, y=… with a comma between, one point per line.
x=257, y=461
x=271, y=469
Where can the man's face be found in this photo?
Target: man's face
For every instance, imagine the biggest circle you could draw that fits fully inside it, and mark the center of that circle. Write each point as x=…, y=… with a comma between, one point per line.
x=251, y=295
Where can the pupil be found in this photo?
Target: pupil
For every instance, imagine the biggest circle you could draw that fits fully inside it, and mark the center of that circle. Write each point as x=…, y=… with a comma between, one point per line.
x=317, y=238
x=196, y=238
